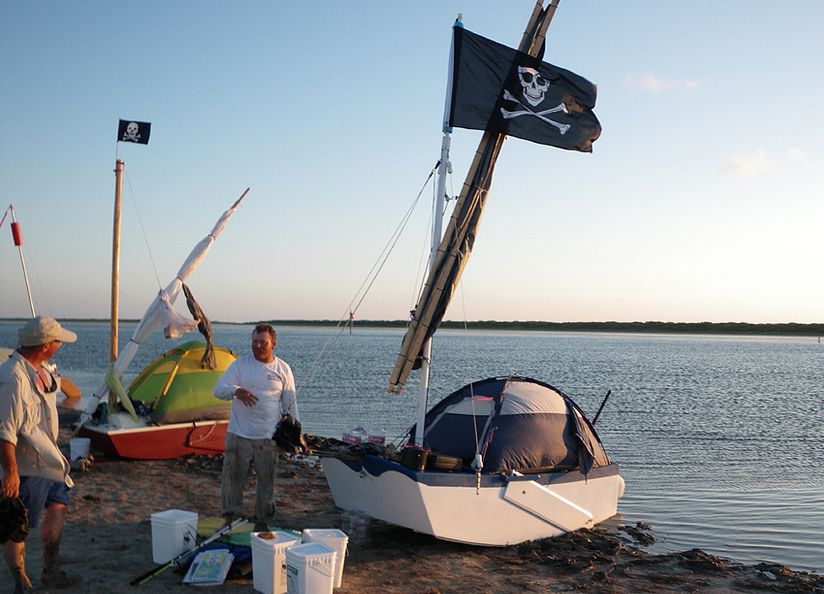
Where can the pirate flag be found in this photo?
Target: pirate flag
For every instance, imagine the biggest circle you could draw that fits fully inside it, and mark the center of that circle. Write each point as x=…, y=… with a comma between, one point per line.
x=129, y=131
x=503, y=90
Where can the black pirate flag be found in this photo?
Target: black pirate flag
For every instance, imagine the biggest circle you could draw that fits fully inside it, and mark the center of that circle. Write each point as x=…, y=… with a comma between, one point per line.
x=129, y=131
x=497, y=88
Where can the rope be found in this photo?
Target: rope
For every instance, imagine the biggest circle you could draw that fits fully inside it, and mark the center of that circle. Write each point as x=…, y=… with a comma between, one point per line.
x=143, y=229
x=33, y=266
x=365, y=286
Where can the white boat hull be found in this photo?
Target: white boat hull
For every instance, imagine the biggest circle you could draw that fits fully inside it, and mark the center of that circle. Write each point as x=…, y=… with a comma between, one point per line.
x=448, y=505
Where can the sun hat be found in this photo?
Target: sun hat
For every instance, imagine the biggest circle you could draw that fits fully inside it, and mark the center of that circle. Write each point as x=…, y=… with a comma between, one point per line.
x=42, y=330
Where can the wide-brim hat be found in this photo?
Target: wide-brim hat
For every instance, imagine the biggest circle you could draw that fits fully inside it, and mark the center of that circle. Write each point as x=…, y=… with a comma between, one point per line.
x=42, y=330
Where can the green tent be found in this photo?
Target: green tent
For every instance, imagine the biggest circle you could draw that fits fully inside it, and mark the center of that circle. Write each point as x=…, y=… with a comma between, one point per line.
x=177, y=389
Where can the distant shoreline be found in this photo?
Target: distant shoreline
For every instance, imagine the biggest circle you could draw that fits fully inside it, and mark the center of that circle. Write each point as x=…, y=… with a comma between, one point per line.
x=740, y=328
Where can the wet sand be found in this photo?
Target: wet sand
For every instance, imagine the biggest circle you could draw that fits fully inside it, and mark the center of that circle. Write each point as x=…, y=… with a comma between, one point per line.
x=108, y=542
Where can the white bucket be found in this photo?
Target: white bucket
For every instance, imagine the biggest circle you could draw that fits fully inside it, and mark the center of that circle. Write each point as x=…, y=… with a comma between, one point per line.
x=310, y=569
x=332, y=538
x=79, y=448
x=269, y=561
x=174, y=531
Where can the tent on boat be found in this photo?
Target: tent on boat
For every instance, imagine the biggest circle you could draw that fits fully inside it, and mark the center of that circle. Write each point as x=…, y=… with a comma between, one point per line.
x=176, y=388
x=516, y=424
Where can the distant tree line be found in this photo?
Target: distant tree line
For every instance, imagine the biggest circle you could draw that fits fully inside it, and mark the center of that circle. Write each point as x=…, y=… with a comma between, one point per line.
x=784, y=329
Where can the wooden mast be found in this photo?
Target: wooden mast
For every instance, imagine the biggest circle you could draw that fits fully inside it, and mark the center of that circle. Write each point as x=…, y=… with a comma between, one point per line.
x=118, y=189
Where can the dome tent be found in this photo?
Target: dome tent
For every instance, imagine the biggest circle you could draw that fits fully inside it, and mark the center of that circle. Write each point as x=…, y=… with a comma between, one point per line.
x=516, y=424
x=177, y=389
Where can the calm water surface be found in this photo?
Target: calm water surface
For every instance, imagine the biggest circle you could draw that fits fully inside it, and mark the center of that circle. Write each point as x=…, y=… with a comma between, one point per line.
x=720, y=439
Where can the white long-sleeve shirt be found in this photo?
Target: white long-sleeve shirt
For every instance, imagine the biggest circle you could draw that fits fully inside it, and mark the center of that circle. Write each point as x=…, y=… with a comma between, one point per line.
x=28, y=420
x=274, y=386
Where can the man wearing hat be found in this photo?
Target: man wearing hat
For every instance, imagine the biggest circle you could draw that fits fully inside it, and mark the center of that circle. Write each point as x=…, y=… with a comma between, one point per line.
x=31, y=465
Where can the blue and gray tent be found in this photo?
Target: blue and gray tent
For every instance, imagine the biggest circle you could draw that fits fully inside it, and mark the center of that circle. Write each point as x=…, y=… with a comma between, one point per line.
x=516, y=424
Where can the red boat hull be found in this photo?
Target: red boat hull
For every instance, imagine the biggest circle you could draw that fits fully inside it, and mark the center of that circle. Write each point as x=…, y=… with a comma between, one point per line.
x=158, y=442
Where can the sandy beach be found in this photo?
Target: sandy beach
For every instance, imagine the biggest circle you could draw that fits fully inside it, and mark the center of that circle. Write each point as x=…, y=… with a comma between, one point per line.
x=108, y=542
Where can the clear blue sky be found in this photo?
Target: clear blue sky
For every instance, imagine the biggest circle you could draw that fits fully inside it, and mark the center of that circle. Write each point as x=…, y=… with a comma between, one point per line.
x=701, y=201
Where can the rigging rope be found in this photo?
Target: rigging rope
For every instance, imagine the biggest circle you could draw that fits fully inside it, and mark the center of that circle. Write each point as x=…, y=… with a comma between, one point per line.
x=423, y=261
x=33, y=266
x=366, y=285
x=143, y=230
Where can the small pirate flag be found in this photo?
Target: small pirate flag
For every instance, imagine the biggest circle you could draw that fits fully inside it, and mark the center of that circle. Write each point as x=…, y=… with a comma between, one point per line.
x=129, y=131
x=500, y=89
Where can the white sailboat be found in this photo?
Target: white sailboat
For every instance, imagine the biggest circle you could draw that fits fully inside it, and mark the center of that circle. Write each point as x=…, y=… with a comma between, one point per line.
x=503, y=460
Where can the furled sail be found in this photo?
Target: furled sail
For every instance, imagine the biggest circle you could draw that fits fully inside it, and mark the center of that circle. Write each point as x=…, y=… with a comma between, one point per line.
x=162, y=302
x=459, y=238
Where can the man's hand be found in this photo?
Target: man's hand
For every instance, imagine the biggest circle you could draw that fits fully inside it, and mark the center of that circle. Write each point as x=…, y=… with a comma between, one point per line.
x=11, y=485
x=246, y=397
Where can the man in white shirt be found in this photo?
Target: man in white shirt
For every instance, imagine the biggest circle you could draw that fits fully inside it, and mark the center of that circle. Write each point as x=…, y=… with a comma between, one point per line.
x=32, y=467
x=262, y=389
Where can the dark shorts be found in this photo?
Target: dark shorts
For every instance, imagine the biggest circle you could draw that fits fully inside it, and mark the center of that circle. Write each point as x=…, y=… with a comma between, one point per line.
x=38, y=493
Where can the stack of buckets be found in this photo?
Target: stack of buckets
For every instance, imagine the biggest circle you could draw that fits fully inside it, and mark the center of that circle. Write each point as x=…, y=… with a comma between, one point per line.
x=312, y=564
x=174, y=531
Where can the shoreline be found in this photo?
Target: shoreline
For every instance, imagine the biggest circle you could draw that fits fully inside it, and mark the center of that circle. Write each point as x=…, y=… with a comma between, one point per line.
x=108, y=541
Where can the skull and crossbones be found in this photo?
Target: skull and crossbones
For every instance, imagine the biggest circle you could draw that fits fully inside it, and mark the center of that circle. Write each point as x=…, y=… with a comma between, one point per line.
x=534, y=88
x=131, y=132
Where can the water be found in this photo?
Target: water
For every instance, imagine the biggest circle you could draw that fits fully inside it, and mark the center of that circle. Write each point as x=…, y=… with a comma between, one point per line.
x=719, y=438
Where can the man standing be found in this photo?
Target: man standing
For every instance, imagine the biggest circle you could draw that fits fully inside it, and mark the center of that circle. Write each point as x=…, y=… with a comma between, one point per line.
x=262, y=388
x=33, y=468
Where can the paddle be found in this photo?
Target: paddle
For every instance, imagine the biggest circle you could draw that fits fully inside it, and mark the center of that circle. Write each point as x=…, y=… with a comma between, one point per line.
x=181, y=558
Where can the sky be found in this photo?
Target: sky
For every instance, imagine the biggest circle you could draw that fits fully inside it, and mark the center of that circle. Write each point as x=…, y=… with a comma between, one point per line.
x=702, y=200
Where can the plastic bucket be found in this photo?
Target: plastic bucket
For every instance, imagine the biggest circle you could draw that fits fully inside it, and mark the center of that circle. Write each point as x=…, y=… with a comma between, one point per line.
x=310, y=569
x=174, y=531
x=269, y=560
x=334, y=539
x=79, y=448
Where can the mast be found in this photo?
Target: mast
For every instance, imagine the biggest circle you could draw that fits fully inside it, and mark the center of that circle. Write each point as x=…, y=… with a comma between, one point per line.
x=437, y=224
x=18, y=241
x=444, y=167
x=118, y=189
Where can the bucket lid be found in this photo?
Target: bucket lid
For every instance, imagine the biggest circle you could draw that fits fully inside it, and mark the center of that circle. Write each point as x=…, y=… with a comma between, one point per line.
x=323, y=534
x=312, y=552
x=281, y=539
x=174, y=515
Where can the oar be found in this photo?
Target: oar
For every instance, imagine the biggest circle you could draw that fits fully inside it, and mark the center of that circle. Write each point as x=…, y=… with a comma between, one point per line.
x=178, y=561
